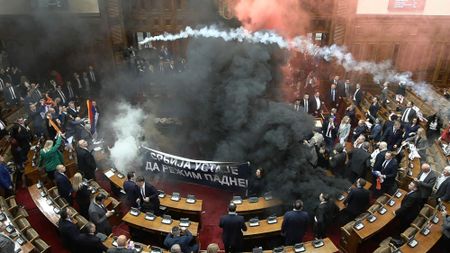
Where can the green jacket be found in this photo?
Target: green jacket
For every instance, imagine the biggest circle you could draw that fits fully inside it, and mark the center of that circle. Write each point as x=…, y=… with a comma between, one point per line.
x=52, y=158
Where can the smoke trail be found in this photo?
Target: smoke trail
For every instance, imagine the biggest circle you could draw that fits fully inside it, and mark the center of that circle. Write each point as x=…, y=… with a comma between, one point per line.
x=380, y=71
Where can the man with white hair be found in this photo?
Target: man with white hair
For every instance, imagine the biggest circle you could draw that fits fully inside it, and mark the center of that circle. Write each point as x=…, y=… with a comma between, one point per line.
x=443, y=185
x=86, y=161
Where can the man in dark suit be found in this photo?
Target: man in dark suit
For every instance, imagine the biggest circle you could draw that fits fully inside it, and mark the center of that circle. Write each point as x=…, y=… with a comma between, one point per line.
x=329, y=133
x=359, y=162
x=121, y=246
x=324, y=215
x=357, y=200
x=11, y=94
x=68, y=231
x=357, y=96
x=373, y=109
x=131, y=190
x=306, y=104
x=426, y=179
x=346, y=89
x=86, y=161
x=410, y=206
x=148, y=196
x=70, y=91
x=59, y=93
x=443, y=186
x=63, y=184
x=317, y=104
x=232, y=225
x=409, y=113
x=360, y=129
x=377, y=165
x=99, y=215
x=387, y=174
x=393, y=136
x=72, y=110
x=88, y=242
x=337, y=160
x=295, y=224
x=334, y=96
x=182, y=237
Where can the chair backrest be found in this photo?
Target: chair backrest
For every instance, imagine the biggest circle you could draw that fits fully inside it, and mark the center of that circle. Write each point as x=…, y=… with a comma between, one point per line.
x=409, y=232
x=53, y=192
x=81, y=221
x=61, y=202
x=3, y=203
x=418, y=222
x=373, y=208
x=382, y=199
x=41, y=246
x=383, y=249
x=31, y=234
x=427, y=211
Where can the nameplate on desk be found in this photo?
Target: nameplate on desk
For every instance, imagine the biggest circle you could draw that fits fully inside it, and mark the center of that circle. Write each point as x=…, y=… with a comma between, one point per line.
x=166, y=219
x=10, y=229
x=425, y=231
x=254, y=222
x=382, y=210
x=237, y=200
x=317, y=243
x=2, y=217
x=268, y=196
x=150, y=216
x=138, y=248
x=175, y=196
x=20, y=240
x=299, y=247
x=156, y=250
x=43, y=194
x=391, y=202
x=341, y=197
x=184, y=222
x=253, y=199
x=372, y=218
x=358, y=226
x=135, y=211
x=120, y=175
x=39, y=185
x=109, y=174
x=413, y=243
x=56, y=210
x=398, y=194
x=435, y=219
x=190, y=199
x=49, y=202
x=272, y=220
x=161, y=194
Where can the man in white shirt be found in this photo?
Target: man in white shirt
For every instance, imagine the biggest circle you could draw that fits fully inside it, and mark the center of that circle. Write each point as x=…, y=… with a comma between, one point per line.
x=317, y=103
x=426, y=179
x=443, y=186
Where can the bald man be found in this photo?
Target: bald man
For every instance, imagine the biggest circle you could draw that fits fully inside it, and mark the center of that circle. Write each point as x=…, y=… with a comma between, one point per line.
x=121, y=246
x=85, y=160
x=426, y=179
x=63, y=184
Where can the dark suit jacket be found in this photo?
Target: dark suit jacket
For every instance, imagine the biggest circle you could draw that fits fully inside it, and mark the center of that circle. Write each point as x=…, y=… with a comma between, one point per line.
x=358, y=131
x=333, y=131
x=358, y=97
x=359, y=161
x=295, y=224
x=97, y=215
x=376, y=132
x=69, y=233
x=412, y=114
x=391, y=172
x=357, y=201
x=337, y=163
x=329, y=97
x=410, y=207
x=232, y=225
x=183, y=241
x=373, y=109
x=91, y=243
x=426, y=187
x=86, y=163
x=314, y=104
x=379, y=159
x=443, y=192
x=392, y=139
x=152, y=193
x=310, y=106
x=9, y=96
x=132, y=191
x=63, y=184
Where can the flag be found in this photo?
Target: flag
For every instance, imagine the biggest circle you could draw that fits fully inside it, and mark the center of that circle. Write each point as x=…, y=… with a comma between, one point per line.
x=92, y=114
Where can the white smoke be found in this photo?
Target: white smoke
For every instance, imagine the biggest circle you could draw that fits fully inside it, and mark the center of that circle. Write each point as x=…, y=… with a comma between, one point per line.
x=381, y=72
x=128, y=129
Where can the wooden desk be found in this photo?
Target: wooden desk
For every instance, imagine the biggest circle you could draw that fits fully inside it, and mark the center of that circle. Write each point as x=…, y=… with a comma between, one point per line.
x=340, y=203
x=41, y=203
x=370, y=229
x=425, y=243
x=156, y=225
x=178, y=206
x=263, y=229
x=261, y=205
x=27, y=246
x=328, y=247
x=145, y=248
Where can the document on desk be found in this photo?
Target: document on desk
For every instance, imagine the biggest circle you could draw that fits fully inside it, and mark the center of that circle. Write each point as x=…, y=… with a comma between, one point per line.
x=109, y=174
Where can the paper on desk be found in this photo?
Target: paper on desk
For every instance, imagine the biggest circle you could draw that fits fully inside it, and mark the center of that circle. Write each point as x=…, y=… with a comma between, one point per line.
x=109, y=174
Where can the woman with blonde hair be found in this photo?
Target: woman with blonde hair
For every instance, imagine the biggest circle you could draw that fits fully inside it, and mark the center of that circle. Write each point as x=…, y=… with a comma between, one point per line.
x=50, y=157
x=83, y=195
x=344, y=130
x=420, y=141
